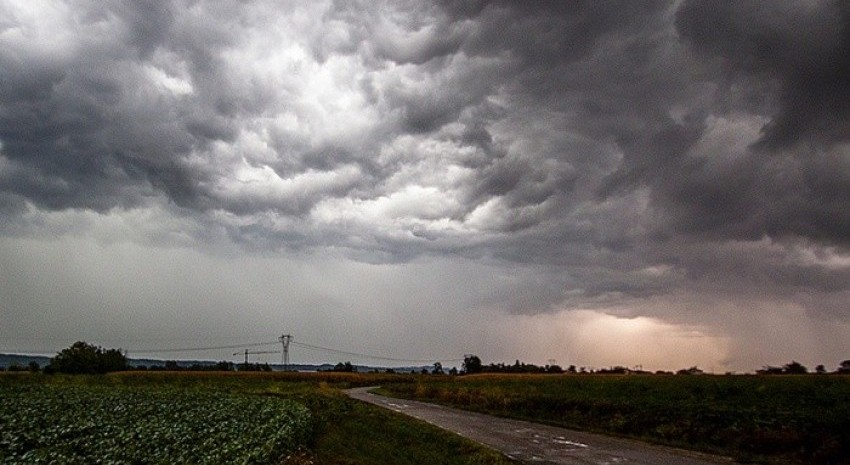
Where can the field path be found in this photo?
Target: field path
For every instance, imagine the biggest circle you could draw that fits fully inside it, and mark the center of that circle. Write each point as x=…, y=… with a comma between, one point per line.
x=538, y=444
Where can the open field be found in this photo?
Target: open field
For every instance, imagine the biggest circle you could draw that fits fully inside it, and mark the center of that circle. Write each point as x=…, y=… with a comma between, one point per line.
x=779, y=419
x=86, y=424
x=214, y=418
x=192, y=417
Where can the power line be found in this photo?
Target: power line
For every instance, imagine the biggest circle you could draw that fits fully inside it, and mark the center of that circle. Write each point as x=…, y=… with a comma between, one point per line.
x=371, y=356
x=287, y=341
x=198, y=349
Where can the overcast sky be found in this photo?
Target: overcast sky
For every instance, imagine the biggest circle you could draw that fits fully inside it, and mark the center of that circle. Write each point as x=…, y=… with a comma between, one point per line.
x=601, y=183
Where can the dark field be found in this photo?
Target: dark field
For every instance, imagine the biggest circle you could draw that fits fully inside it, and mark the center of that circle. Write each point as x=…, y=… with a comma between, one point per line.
x=214, y=418
x=769, y=419
x=763, y=419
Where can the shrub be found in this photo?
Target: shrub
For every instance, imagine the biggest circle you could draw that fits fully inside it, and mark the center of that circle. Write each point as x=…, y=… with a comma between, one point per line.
x=85, y=358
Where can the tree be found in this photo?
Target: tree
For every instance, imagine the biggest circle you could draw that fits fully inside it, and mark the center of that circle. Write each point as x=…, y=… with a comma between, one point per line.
x=16, y=367
x=224, y=366
x=844, y=367
x=346, y=367
x=438, y=368
x=84, y=358
x=820, y=369
x=771, y=370
x=472, y=364
x=690, y=371
x=795, y=368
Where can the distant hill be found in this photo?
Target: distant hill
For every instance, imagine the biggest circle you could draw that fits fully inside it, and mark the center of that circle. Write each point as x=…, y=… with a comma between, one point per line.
x=10, y=360
x=23, y=360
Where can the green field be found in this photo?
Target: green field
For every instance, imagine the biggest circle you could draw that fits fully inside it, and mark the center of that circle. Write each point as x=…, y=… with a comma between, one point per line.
x=164, y=425
x=263, y=418
x=770, y=419
x=214, y=418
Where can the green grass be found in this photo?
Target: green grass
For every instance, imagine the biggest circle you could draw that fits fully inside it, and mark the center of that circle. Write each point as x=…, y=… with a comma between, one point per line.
x=151, y=418
x=357, y=433
x=781, y=419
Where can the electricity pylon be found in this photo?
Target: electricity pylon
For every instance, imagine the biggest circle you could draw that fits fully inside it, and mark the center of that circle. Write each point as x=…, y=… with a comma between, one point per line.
x=285, y=340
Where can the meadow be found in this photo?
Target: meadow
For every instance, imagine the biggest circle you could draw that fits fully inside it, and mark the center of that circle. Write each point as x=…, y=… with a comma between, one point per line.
x=764, y=419
x=214, y=418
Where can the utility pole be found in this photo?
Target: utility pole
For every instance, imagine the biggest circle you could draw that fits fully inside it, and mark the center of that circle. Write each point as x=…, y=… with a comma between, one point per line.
x=253, y=352
x=285, y=340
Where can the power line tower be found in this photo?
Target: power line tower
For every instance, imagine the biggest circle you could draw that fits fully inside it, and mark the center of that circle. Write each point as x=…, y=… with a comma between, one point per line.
x=285, y=340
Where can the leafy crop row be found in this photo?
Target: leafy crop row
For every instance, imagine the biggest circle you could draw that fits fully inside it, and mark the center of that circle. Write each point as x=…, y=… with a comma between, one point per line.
x=54, y=424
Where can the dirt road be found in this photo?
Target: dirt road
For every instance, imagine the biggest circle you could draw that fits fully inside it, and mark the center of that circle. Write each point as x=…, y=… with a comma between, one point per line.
x=538, y=444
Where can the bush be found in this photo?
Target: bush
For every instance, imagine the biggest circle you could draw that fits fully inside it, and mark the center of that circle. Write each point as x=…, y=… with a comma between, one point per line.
x=84, y=358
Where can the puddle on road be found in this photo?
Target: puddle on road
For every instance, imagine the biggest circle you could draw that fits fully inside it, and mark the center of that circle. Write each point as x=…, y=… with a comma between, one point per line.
x=569, y=443
x=397, y=407
x=613, y=460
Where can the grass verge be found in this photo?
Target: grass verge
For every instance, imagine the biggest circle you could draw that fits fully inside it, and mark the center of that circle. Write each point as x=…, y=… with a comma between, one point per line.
x=356, y=433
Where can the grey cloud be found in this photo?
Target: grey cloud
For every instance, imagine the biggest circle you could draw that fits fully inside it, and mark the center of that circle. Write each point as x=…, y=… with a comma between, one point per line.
x=406, y=33
x=804, y=47
x=749, y=194
x=70, y=132
x=684, y=161
x=581, y=122
x=147, y=23
x=548, y=33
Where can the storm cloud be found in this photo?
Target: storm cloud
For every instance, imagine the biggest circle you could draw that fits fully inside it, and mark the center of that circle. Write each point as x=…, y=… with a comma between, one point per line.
x=682, y=165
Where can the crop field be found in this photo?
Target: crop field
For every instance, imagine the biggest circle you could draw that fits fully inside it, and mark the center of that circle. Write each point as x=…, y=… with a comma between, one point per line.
x=97, y=424
x=260, y=418
x=768, y=419
x=215, y=418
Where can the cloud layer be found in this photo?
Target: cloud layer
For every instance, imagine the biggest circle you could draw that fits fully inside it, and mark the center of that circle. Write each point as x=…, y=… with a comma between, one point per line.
x=629, y=157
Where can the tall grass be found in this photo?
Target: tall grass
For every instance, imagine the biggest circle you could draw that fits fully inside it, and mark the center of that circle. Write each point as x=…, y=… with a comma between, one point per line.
x=799, y=419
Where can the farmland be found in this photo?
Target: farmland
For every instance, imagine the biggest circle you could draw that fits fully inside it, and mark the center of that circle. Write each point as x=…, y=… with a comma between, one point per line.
x=769, y=419
x=98, y=424
x=260, y=418
x=213, y=418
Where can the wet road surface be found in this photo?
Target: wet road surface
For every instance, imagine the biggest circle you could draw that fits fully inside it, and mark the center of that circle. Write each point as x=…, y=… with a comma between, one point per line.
x=538, y=444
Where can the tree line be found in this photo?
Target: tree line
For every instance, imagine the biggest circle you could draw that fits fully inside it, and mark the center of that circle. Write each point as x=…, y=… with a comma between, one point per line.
x=84, y=358
x=472, y=364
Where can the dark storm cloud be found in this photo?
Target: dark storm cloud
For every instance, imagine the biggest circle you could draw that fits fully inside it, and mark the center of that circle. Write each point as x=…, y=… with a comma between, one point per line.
x=92, y=123
x=69, y=122
x=792, y=62
x=589, y=138
x=803, y=48
x=624, y=83
x=786, y=64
